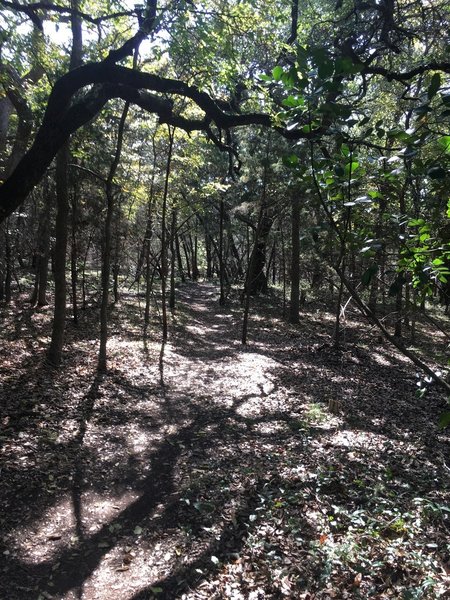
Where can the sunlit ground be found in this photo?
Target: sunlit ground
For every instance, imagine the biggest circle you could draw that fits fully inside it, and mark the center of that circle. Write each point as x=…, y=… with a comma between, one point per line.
x=217, y=469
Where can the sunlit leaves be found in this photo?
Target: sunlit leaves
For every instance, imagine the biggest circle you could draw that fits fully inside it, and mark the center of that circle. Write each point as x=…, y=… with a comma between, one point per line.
x=444, y=142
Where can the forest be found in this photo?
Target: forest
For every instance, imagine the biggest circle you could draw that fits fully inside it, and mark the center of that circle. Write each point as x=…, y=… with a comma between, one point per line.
x=224, y=299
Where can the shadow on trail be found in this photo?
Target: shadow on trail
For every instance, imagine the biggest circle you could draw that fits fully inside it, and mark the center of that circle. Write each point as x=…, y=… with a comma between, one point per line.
x=210, y=467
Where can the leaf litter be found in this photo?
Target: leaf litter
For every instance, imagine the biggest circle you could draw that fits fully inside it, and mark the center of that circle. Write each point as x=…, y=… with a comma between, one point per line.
x=283, y=469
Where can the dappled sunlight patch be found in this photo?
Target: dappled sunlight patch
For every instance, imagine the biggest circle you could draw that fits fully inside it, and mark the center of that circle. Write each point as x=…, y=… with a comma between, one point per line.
x=69, y=521
x=382, y=359
x=45, y=537
x=271, y=428
x=222, y=469
x=361, y=440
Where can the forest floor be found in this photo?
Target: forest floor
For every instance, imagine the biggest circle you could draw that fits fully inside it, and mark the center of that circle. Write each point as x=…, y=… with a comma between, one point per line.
x=207, y=470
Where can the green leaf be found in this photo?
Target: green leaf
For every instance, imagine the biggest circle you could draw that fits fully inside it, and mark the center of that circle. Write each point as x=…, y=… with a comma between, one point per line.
x=290, y=161
x=326, y=69
x=444, y=419
x=156, y=590
x=366, y=277
x=416, y=223
x=292, y=102
x=277, y=73
x=444, y=142
x=345, y=66
x=302, y=57
x=434, y=85
x=345, y=150
x=351, y=167
x=290, y=78
x=437, y=262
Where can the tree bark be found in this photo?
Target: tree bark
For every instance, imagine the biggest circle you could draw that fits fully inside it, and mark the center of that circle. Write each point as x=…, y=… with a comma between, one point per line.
x=106, y=263
x=62, y=213
x=164, y=260
x=54, y=354
x=221, y=257
x=294, y=308
x=173, y=258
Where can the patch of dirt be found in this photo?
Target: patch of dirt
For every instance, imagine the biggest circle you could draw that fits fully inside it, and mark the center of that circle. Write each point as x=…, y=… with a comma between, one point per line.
x=208, y=469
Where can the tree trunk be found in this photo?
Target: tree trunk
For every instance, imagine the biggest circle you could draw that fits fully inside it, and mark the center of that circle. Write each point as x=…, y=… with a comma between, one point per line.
x=257, y=280
x=186, y=256
x=283, y=268
x=39, y=296
x=106, y=262
x=209, y=261
x=8, y=264
x=59, y=260
x=294, y=308
x=221, y=257
x=74, y=255
x=147, y=247
x=194, y=251
x=173, y=229
x=179, y=260
x=62, y=215
x=163, y=236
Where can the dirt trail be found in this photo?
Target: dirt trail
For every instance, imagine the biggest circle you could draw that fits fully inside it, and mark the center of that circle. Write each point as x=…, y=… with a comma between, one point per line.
x=209, y=470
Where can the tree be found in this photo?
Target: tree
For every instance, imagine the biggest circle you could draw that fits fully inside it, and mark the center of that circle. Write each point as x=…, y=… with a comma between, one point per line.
x=349, y=89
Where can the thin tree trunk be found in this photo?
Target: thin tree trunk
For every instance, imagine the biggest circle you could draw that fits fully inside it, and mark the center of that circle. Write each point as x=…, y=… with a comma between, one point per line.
x=179, y=260
x=43, y=259
x=399, y=295
x=186, y=256
x=83, y=273
x=62, y=212
x=147, y=244
x=283, y=268
x=106, y=263
x=74, y=256
x=8, y=264
x=173, y=257
x=116, y=263
x=194, y=251
x=221, y=265
x=59, y=261
x=294, y=308
x=163, y=237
